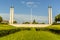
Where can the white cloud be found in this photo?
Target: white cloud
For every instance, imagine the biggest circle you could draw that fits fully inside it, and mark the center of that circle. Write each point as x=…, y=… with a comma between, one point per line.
x=23, y=2
x=23, y=17
x=35, y=5
x=30, y=4
x=5, y=16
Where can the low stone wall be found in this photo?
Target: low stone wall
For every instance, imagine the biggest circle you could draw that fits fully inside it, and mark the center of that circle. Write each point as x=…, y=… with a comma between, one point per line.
x=30, y=25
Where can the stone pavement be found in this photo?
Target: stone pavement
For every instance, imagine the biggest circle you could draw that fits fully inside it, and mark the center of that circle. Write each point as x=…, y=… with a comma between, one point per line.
x=30, y=25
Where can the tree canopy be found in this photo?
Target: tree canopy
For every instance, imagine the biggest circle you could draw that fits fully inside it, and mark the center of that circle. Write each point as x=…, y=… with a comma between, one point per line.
x=1, y=19
x=57, y=18
x=14, y=22
x=34, y=22
x=26, y=22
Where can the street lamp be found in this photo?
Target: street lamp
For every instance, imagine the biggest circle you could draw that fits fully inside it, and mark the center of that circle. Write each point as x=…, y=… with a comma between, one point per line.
x=30, y=5
x=31, y=15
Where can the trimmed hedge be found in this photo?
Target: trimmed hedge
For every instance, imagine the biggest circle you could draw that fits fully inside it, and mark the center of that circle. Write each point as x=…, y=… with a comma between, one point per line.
x=56, y=31
x=41, y=29
x=10, y=31
x=7, y=32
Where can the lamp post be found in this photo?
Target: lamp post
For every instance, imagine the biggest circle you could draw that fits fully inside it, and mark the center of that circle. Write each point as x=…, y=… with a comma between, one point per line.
x=31, y=15
x=30, y=5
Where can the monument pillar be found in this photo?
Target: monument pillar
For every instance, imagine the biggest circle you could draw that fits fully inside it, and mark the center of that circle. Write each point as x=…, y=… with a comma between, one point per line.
x=50, y=14
x=11, y=15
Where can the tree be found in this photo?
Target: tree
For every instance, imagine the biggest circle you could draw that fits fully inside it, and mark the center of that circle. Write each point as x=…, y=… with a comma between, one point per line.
x=26, y=23
x=57, y=18
x=42, y=23
x=1, y=19
x=34, y=22
x=15, y=22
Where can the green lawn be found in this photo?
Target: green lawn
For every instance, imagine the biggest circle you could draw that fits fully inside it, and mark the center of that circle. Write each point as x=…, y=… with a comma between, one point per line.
x=31, y=34
x=6, y=27
x=55, y=27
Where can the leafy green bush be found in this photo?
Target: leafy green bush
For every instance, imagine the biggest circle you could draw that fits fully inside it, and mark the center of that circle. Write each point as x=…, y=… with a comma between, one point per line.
x=6, y=32
x=55, y=23
x=41, y=29
x=51, y=29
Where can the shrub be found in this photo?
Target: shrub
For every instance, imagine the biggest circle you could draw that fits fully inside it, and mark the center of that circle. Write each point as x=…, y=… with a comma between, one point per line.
x=6, y=32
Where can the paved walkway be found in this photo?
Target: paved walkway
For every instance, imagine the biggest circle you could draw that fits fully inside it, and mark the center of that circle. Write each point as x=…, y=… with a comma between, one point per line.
x=30, y=25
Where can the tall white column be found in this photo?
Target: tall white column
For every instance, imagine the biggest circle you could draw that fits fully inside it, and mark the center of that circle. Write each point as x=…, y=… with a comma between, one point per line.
x=11, y=15
x=50, y=14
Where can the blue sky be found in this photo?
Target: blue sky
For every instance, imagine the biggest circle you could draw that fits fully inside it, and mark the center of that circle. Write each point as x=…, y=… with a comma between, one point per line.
x=22, y=7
